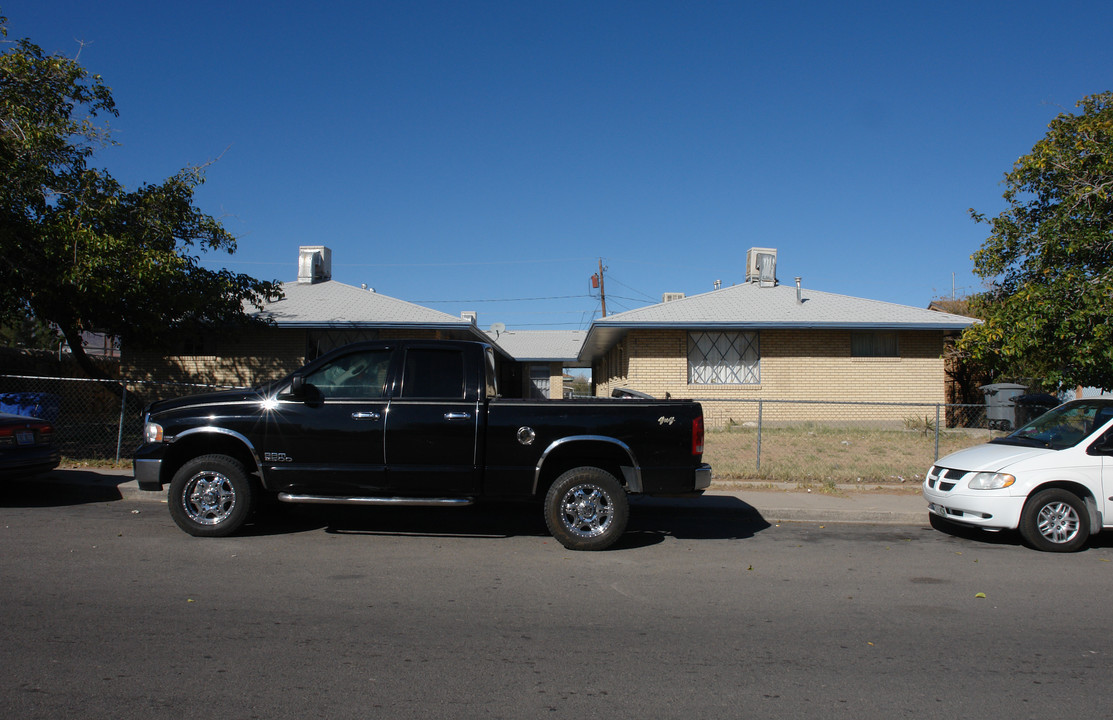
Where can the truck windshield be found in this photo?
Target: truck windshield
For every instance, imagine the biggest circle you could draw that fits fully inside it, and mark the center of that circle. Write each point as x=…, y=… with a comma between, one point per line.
x=1063, y=427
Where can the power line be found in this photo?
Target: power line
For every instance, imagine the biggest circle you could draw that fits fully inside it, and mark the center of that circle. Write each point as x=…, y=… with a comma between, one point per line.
x=529, y=299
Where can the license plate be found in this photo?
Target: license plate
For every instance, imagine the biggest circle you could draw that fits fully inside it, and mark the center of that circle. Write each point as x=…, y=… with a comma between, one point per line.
x=25, y=438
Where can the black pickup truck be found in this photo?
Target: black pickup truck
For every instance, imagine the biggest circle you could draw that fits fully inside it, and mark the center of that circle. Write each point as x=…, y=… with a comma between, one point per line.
x=417, y=423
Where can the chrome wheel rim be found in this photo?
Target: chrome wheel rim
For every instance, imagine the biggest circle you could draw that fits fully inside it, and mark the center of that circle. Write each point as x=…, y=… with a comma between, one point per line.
x=586, y=511
x=209, y=498
x=1058, y=522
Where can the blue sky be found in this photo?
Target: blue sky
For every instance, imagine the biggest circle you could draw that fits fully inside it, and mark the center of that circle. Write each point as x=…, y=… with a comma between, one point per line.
x=482, y=155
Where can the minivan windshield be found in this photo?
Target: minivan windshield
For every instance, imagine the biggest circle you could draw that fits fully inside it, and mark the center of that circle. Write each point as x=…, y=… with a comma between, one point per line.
x=1063, y=427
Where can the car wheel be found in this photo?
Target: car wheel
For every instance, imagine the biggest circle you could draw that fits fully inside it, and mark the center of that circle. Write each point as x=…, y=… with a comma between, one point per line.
x=586, y=509
x=211, y=496
x=1055, y=520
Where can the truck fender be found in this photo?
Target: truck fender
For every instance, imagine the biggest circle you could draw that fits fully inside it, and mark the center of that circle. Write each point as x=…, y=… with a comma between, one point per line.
x=632, y=472
x=229, y=433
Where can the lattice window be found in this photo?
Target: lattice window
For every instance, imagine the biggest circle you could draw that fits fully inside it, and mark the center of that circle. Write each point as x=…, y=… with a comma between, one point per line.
x=724, y=358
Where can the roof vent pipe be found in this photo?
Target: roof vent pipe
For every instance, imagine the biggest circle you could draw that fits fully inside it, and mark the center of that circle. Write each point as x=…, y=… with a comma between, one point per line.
x=798, y=298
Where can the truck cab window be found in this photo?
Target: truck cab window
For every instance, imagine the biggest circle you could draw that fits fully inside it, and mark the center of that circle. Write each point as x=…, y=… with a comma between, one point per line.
x=433, y=374
x=359, y=375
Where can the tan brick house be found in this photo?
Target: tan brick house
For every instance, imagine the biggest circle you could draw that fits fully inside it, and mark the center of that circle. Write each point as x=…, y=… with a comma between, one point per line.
x=763, y=340
x=316, y=315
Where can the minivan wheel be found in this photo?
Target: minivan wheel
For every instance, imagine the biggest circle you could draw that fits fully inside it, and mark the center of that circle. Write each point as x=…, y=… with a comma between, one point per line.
x=1055, y=520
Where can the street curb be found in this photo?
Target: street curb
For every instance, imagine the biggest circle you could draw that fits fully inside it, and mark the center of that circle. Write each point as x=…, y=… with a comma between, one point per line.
x=773, y=505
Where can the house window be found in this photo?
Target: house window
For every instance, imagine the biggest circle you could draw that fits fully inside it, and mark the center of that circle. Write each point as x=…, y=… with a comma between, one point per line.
x=319, y=342
x=723, y=358
x=874, y=344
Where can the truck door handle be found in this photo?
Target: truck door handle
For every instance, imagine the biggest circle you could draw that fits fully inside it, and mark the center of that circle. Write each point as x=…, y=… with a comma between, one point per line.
x=457, y=416
x=366, y=416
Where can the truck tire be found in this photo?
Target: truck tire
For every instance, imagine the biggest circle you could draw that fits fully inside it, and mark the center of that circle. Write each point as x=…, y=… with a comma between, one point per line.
x=210, y=496
x=1055, y=520
x=586, y=509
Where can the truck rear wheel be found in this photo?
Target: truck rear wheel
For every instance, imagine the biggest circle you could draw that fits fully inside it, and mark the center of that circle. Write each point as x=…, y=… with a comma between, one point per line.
x=210, y=496
x=586, y=509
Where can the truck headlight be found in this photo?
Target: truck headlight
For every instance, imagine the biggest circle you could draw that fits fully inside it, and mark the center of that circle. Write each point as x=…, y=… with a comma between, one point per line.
x=990, y=481
x=152, y=432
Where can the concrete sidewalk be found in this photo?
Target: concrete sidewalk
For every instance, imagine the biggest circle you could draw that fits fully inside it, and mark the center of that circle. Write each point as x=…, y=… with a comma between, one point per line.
x=900, y=506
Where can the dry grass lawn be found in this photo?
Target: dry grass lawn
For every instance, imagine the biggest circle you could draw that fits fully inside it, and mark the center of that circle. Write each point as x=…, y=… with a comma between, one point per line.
x=818, y=455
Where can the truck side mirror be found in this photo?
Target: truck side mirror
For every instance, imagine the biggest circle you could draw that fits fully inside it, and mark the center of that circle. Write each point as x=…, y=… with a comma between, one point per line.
x=303, y=391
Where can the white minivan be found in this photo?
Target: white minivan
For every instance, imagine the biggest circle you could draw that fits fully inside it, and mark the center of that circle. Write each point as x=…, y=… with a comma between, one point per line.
x=1052, y=479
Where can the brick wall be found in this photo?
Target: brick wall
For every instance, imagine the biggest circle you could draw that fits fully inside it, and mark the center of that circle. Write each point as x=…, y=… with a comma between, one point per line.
x=556, y=381
x=243, y=360
x=251, y=357
x=794, y=365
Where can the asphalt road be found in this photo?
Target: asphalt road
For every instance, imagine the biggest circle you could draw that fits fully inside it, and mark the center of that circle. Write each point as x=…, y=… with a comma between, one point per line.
x=111, y=612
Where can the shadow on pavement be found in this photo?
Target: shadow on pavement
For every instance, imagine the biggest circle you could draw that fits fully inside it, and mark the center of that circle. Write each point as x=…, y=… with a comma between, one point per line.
x=50, y=490
x=1005, y=537
x=651, y=520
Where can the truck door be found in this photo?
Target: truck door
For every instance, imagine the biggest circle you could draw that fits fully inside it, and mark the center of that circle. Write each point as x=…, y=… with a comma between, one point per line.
x=330, y=440
x=433, y=423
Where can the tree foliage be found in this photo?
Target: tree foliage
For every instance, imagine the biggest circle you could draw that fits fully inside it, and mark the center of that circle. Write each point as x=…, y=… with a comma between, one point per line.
x=1048, y=314
x=81, y=251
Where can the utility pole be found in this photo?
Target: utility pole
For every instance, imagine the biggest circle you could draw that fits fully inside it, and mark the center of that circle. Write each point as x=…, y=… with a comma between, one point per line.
x=602, y=292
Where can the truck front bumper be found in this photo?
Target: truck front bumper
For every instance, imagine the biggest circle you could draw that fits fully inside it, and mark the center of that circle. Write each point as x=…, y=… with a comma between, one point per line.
x=148, y=472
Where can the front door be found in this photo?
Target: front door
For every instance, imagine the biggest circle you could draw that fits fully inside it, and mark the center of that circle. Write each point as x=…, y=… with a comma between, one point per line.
x=331, y=440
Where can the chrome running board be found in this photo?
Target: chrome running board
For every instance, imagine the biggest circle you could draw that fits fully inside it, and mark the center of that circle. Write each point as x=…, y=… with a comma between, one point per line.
x=359, y=500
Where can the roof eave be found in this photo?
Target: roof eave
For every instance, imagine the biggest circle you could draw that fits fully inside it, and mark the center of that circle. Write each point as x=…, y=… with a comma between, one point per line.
x=616, y=330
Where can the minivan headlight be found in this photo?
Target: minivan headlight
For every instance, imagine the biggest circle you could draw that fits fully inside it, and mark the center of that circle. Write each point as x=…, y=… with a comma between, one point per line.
x=991, y=481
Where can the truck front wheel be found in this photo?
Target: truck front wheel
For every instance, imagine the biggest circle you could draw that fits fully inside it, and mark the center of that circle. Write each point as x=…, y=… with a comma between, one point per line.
x=210, y=496
x=586, y=509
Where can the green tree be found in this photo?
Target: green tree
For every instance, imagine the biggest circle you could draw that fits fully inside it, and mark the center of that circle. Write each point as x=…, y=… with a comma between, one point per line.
x=79, y=250
x=1048, y=313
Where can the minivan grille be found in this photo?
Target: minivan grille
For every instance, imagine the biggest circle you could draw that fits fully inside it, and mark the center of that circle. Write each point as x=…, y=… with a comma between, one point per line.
x=944, y=479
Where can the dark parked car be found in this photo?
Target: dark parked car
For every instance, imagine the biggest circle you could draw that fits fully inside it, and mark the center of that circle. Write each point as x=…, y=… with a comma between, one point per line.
x=26, y=446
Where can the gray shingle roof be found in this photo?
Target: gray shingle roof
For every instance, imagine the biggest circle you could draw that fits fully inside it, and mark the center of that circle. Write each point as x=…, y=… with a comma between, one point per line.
x=749, y=306
x=541, y=345
x=334, y=304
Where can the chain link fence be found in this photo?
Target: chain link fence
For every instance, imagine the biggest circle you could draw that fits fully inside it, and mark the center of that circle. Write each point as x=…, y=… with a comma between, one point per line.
x=829, y=443
x=94, y=420
x=810, y=442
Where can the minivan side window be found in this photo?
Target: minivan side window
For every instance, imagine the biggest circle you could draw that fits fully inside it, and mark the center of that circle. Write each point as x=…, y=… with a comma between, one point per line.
x=433, y=374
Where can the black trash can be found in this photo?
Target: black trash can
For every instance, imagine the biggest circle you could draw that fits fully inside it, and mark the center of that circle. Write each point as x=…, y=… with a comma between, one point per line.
x=1031, y=406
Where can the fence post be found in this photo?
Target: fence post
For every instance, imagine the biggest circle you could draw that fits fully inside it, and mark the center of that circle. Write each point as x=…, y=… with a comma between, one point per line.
x=120, y=428
x=759, y=435
x=936, y=431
